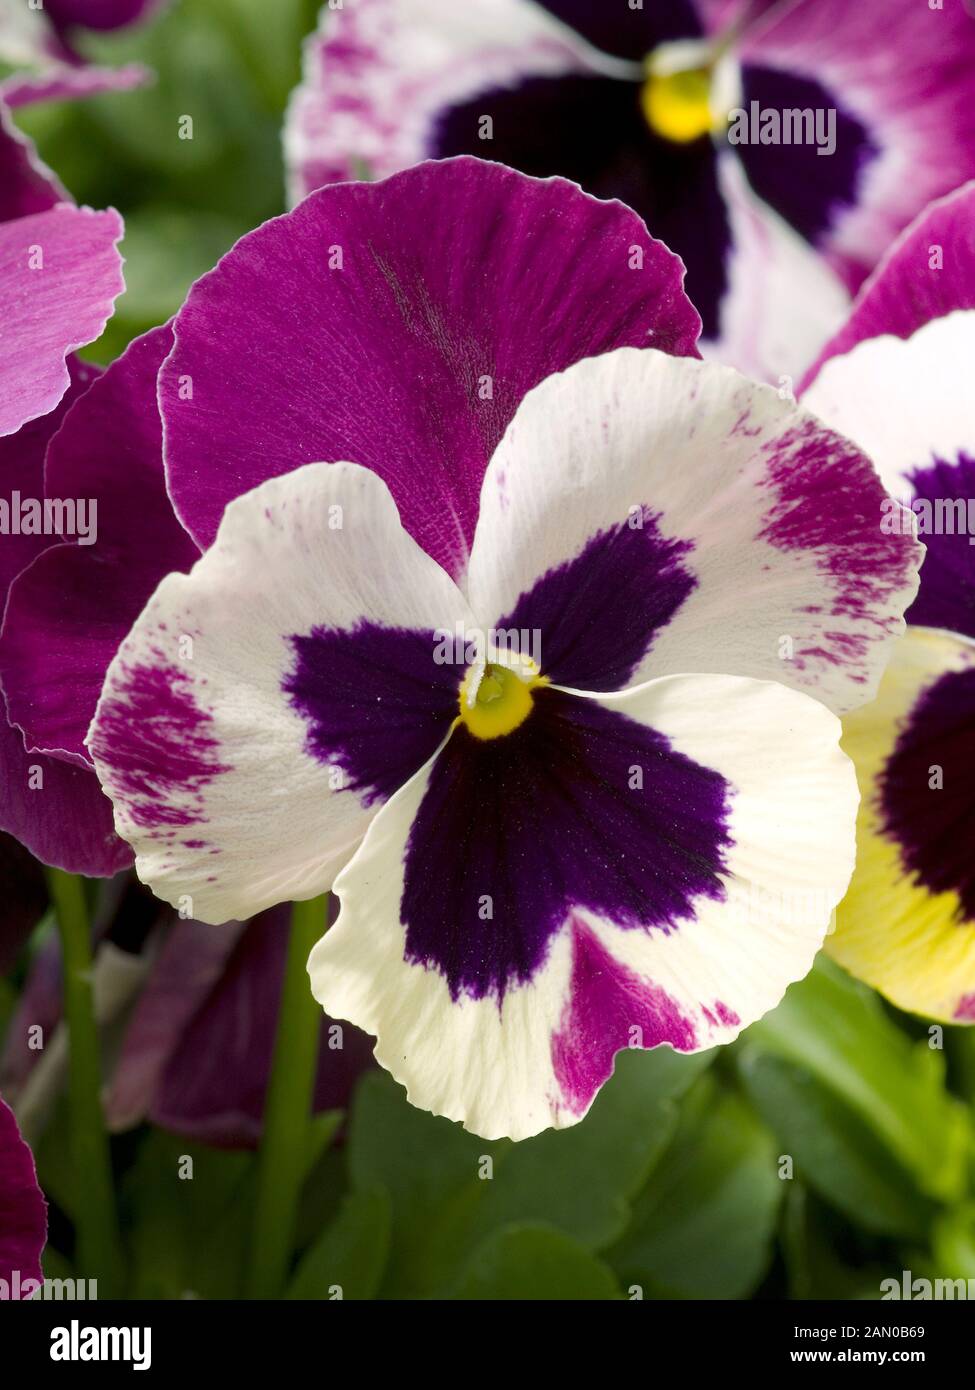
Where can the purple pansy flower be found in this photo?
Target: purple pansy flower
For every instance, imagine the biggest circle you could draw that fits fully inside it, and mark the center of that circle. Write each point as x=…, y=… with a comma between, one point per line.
x=634, y=102
x=38, y=42
x=60, y=273
x=23, y=1213
x=542, y=854
x=897, y=378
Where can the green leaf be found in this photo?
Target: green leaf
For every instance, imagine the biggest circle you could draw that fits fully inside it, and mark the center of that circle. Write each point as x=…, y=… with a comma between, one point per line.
x=532, y=1262
x=428, y=1166
x=834, y=1151
x=953, y=1243
x=55, y=1265
x=188, y=1234
x=811, y=1236
x=451, y=1190
x=703, y=1226
x=350, y=1254
x=580, y=1180
x=838, y=1032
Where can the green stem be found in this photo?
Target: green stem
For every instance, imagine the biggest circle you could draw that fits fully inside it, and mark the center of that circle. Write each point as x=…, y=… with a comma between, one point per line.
x=287, y=1110
x=99, y=1246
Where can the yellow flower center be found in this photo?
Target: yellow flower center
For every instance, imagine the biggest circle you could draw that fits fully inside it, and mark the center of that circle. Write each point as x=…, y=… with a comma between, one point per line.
x=677, y=105
x=501, y=703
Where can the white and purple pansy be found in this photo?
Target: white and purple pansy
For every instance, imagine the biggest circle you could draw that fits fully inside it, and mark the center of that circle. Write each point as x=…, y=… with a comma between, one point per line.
x=545, y=848
x=777, y=147
x=359, y=278
x=23, y=1214
x=897, y=379
x=38, y=42
x=60, y=272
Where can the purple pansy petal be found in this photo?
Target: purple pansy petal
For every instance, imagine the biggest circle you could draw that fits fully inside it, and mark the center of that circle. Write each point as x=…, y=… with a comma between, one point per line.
x=66, y=82
x=213, y=1085
x=23, y=1211
x=58, y=811
x=68, y=613
x=675, y=189
x=26, y=184
x=752, y=912
x=237, y=733
x=904, y=71
x=453, y=287
x=60, y=274
x=647, y=515
x=906, y=402
x=22, y=472
x=927, y=273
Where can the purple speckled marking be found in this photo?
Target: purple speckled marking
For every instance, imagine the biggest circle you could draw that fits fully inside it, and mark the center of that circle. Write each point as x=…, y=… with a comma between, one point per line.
x=827, y=498
x=606, y=1001
x=965, y=1012
x=544, y=820
x=160, y=748
x=946, y=597
x=935, y=828
x=599, y=612
x=376, y=702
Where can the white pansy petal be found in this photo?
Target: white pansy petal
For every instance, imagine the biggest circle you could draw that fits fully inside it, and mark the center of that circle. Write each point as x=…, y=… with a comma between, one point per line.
x=645, y=515
x=650, y=866
x=264, y=704
x=907, y=401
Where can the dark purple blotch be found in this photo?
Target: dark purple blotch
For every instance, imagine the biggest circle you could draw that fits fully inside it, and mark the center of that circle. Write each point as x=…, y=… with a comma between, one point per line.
x=935, y=827
x=810, y=190
x=580, y=807
x=598, y=613
x=376, y=702
x=946, y=597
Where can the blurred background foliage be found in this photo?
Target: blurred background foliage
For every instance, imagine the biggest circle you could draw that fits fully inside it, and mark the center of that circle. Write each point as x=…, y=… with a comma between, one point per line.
x=228, y=64
x=831, y=1147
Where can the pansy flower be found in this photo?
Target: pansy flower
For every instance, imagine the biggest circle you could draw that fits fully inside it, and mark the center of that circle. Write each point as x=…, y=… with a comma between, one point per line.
x=540, y=855
x=38, y=43
x=898, y=380
x=60, y=273
x=23, y=1213
x=773, y=213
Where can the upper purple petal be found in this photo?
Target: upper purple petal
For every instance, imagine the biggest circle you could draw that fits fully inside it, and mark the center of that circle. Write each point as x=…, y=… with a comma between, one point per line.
x=398, y=325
